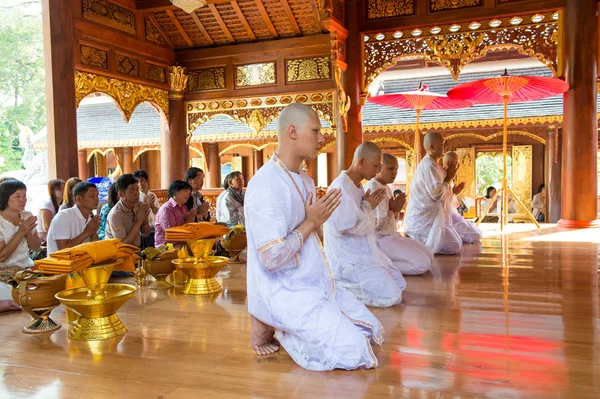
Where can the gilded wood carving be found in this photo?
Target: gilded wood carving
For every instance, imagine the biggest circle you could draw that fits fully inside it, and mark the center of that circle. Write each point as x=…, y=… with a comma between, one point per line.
x=466, y=174
x=94, y=57
x=109, y=14
x=128, y=65
x=255, y=74
x=127, y=95
x=155, y=72
x=456, y=45
x=441, y=5
x=522, y=157
x=389, y=8
x=317, y=68
x=207, y=79
x=153, y=34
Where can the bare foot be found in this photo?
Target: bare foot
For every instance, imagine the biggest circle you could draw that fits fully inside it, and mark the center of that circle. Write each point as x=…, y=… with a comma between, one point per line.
x=263, y=338
x=9, y=305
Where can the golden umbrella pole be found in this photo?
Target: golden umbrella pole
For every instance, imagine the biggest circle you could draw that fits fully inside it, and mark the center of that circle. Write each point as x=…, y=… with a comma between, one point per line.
x=418, y=152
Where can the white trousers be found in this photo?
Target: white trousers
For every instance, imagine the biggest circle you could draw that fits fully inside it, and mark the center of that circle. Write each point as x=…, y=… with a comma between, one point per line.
x=452, y=242
x=409, y=257
x=468, y=232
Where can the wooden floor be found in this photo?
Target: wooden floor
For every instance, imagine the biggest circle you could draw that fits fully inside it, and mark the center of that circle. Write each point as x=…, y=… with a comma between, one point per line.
x=514, y=317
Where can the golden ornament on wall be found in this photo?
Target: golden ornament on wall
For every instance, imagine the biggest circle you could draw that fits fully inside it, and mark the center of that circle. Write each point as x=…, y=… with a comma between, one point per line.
x=127, y=95
x=441, y=5
x=389, y=8
x=128, y=65
x=153, y=34
x=155, y=72
x=109, y=14
x=317, y=68
x=255, y=74
x=177, y=81
x=94, y=57
x=207, y=79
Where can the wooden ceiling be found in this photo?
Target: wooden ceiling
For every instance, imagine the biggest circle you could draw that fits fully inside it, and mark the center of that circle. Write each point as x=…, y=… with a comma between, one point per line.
x=223, y=22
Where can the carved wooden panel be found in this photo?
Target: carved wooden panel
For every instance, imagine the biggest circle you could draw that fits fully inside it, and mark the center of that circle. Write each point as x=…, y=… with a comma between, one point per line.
x=153, y=34
x=206, y=79
x=255, y=74
x=522, y=156
x=155, y=72
x=443, y=5
x=128, y=65
x=389, y=8
x=308, y=69
x=109, y=14
x=94, y=57
x=466, y=174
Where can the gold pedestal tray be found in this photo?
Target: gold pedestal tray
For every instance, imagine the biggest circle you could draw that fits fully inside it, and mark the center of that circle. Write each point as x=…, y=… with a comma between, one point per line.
x=201, y=274
x=97, y=304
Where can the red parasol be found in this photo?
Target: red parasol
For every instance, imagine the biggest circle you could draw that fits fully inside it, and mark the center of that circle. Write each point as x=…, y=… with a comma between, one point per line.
x=419, y=99
x=502, y=90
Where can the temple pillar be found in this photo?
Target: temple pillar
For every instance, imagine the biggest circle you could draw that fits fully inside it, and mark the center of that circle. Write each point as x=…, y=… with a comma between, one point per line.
x=258, y=158
x=553, y=174
x=82, y=164
x=61, y=108
x=579, y=207
x=214, y=166
x=331, y=167
x=247, y=169
x=101, y=170
x=348, y=143
x=127, y=163
x=174, y=149
x=312, y=169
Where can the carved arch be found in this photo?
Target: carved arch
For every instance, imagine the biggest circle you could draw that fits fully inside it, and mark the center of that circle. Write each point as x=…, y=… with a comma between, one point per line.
x=494, y=135
x=99, y=151
x=247, y=145
x=139, y=151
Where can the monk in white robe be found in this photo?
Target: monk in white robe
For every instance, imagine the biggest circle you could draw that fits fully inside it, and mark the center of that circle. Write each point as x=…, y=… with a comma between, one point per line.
x=468, y=232
x=410, y=257
x=292, y=294
x=428, y=216
x=350, y=241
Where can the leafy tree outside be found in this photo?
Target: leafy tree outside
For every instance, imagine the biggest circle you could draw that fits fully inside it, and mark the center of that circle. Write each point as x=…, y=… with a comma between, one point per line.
x=488, y=170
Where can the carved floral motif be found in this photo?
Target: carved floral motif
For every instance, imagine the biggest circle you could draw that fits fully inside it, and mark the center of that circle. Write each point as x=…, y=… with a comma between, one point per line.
x=109, y=14
x=153, y=34
x=441, y=5
x=389, y=8
x=317, y=68
x=155, y=72
x=255, y=74
x=94, y=57
x=207, y=79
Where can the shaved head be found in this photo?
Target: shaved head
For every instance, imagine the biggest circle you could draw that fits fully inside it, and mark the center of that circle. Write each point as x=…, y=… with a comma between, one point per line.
x=434, y=145
x=367, y=150
x=389, y=169
x=449, y=157
x=389, y=159
x=296, y=115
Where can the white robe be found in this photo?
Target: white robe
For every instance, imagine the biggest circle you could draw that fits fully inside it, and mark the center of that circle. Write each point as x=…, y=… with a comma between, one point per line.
x=428, y=217
x=290, y=285
x=468, y=232
x=410, y=257
x=351, y=247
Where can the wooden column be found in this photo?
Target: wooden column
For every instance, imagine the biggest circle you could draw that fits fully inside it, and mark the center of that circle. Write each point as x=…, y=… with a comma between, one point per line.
x=214, y=166
x=579, y=206
x=61, y=109
x=353, y=78
x=82, y=164
x=101, y=170
x=331, y=167
x=312, y=170
x=127, y=163
x=174, y=149
x=247, y=169
x=553, y=174
x=258, y=158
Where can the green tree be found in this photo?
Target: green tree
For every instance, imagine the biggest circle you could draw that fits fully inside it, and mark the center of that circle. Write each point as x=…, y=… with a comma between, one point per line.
x=22, y=89
x=489, y=171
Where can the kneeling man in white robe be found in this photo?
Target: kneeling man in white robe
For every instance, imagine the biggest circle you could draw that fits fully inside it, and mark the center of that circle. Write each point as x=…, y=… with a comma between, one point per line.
x=468, y=232
x=292, y=294
x=428, y=216
x=350, y=241
x=410, y=257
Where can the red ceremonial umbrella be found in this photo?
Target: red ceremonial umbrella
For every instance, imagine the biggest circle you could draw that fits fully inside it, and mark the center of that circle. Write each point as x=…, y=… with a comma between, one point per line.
x=505, y=89
x=419, y=99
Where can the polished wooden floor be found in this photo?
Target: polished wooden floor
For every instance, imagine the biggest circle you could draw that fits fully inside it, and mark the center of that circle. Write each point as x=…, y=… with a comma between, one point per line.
x=514, y=317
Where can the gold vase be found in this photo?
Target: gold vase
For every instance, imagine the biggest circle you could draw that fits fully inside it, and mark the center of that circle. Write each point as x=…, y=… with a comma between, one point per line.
x=201, y=274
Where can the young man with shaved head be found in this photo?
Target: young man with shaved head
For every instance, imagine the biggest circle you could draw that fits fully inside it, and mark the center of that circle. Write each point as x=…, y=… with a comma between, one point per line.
x=410, y=257
x=292, y=296
x=468, y=232
x=428, y=217
x=350, y=240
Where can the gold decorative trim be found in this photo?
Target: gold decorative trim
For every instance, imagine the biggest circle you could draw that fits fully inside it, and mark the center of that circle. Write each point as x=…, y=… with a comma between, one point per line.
x=93, y=56
x=494, y=135
x=207, y=79
x=389, y=8
x=140, y=150
x=444, y=5
x=264, y=134
x=392, y=139
x=270, y=244
x=108, y=14
x=306, y=69
x=343, y=100
x=156, y=72
x=255, y=74
x=127, y=95
x=455, y=45
x=94, y=151
x=177, y=82
x=234, y=146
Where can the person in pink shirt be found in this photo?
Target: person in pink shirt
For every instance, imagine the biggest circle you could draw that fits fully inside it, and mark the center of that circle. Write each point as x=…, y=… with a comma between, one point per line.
x=174, y=212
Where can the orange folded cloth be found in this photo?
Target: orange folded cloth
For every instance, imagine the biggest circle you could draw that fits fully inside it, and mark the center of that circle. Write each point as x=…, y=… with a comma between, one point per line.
x=192, y=231
x=71, y=260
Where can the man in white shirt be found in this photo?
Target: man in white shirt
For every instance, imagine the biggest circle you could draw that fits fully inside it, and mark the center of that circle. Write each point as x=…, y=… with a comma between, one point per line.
x=350, y=241
x=428, y=217
x=75, y=225
x=410, y=257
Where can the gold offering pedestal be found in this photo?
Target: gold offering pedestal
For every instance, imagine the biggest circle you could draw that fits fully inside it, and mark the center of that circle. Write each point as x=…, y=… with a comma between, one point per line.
x=201, y=274
x=97, y=303
x=160, y=268
x=35, y=293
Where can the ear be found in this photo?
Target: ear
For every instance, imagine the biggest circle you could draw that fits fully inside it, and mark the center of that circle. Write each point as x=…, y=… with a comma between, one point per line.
x=293, y=132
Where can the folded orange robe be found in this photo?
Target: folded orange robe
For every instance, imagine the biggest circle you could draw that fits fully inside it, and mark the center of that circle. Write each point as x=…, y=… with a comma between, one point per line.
x=192, y=231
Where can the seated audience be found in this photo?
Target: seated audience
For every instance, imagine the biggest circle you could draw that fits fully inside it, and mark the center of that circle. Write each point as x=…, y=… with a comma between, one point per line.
x=76, y=225
x=129, y=217
x=113, y=198
x=174, y=212
x=49, y=207
x=147, y=196
x=495, y=208
x=195, y=178
x=69, y=200
x=538, y=204
x=230, y=204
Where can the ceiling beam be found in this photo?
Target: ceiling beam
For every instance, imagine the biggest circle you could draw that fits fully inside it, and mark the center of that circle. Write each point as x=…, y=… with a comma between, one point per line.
x=160, y=29
x=202, y=28
x=221, y=23
x=163, y=5
x=182, y=31
x=291, y=18
x=242, y=19
x=265, y=16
